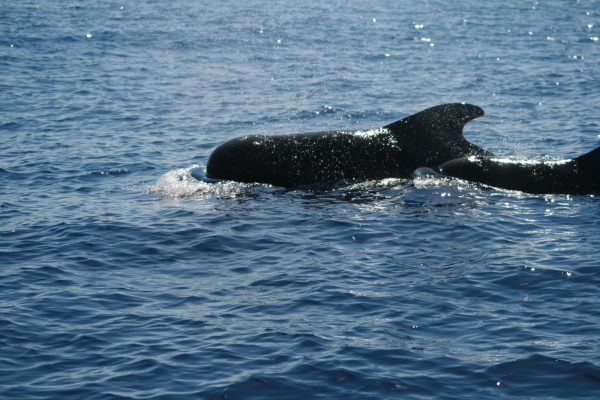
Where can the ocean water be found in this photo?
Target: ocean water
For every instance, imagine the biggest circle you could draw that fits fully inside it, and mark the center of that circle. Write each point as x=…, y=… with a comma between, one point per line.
x=122, y=277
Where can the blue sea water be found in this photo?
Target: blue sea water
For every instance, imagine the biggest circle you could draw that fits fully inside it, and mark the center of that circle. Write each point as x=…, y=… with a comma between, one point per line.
x=122, y=277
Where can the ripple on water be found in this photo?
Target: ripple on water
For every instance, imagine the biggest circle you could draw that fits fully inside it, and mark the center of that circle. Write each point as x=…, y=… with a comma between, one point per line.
x=123, y=275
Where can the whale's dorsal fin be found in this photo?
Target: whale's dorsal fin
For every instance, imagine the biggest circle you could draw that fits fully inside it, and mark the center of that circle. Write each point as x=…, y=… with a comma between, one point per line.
x=590, y=160
x=441, y=124
x=449, y=118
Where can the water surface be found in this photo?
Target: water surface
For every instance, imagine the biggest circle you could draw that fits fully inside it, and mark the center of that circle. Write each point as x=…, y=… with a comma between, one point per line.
x=121, y=276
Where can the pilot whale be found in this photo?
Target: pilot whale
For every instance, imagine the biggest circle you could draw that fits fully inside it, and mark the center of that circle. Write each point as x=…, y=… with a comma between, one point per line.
x=426, y=139
x=579, y=176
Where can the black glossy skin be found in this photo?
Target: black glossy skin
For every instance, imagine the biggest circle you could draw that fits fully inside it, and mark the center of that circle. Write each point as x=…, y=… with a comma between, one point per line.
x=579, y=176
x=426, y=139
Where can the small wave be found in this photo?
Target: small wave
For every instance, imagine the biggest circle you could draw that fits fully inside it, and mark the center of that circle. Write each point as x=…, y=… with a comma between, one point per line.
x=193, y=182
x=9, y=126
x=535, y=374
x=5, y=173
x=108, y=172
x=548, y=160
x=326, y=110
x=426, y=178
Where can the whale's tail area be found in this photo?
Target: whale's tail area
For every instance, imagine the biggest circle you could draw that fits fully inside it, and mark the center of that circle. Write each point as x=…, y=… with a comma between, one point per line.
x=442, y=127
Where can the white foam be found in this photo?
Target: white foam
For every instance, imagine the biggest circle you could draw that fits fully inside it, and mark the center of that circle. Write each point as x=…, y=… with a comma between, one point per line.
x=530, y=161
x=522, y=160
x=192, y=182
x=177, y=183
x=370, y=132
